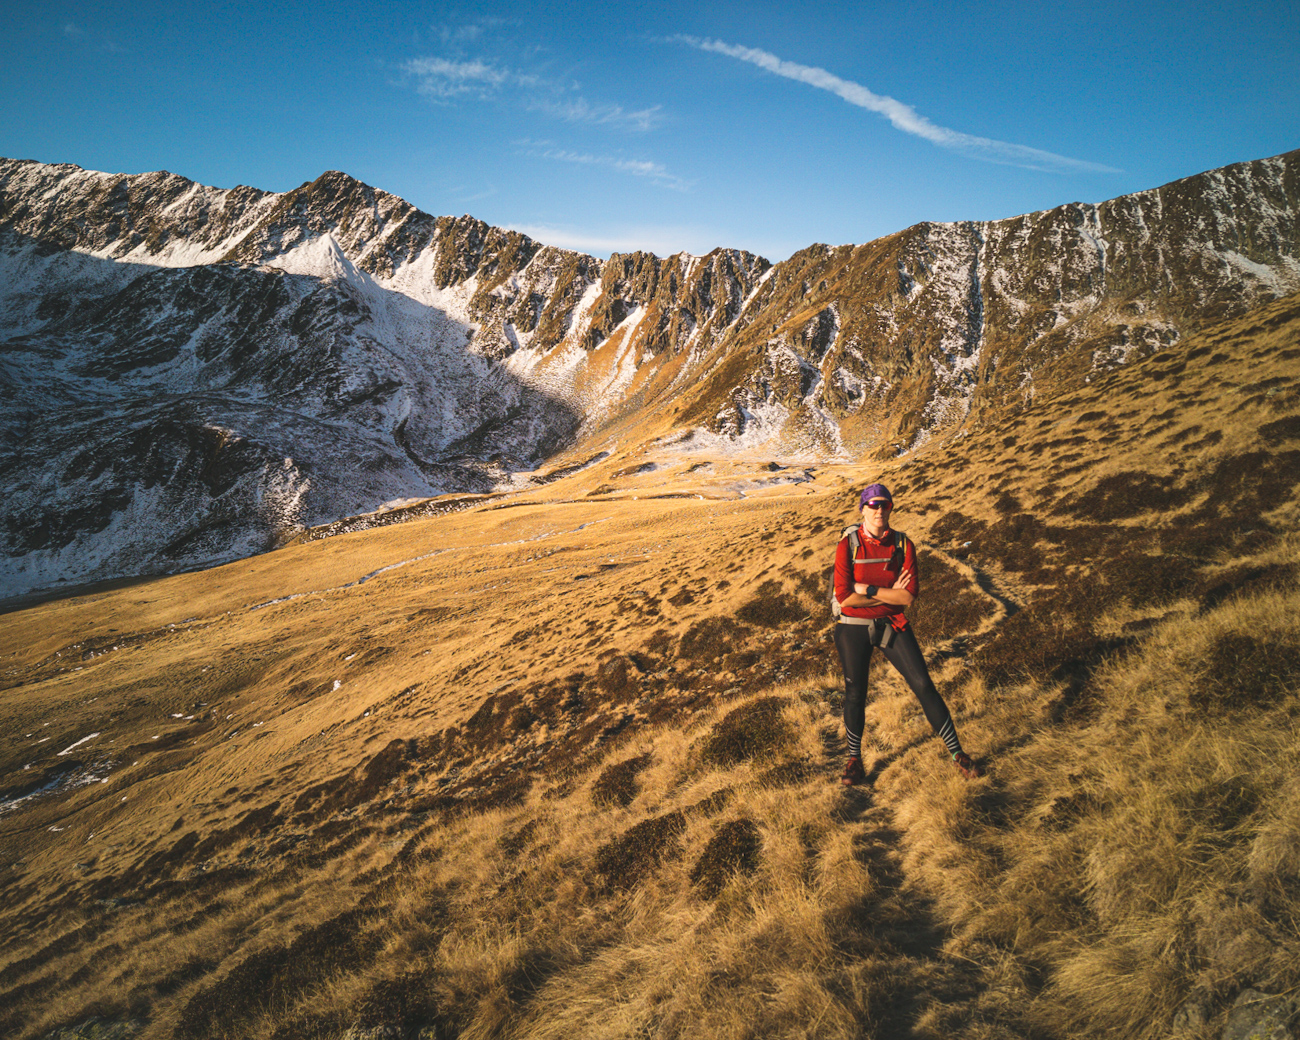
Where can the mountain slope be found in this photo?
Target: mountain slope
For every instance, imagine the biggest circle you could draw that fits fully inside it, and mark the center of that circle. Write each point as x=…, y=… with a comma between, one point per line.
x=565, y=763
x=191, y=374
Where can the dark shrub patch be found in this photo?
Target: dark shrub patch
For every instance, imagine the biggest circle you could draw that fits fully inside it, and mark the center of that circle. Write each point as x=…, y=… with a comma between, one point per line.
x=1178, y=436
x=1012, y=542
x=614, y=676
x=213, y=909
x=318, y=851
x=1252, y=483
x=274, y=978
x=309, y=689
x=786, y=774
x=313, y=1025
x=1052, y=638
x=316, y=792
x=60, y=947
x=194, y=968
x=1200, y=542
x=734, y=849
x=1017, y=531
x=948, y=605
x=954, y=526
x=514, y=844
x=816, y=584
x=660, y=642
x=771, y=607
x=1152, y=580
x=403, y=1006
x=365, y=782
x=714, y=803
x=1206, y=541
x=1035, y=644
x=711, y=637
x=752, y=729
x=741, y=660
x=1246, y=578
x=1088, y=541
x=1006, y=503
x=23, y=1001
x=643, y=663
x=254, y=822
x=617, y=784
x=1222, y=804
x=1242, y=671
x=1287, y=429
x=627, y=859
x=1122, y=495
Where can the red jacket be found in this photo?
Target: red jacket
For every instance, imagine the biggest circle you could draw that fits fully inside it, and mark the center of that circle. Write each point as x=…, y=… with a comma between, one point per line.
x=873, y=566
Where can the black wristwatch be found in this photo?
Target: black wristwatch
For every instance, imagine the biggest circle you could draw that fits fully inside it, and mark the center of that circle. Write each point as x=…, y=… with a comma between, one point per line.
x=872, y=590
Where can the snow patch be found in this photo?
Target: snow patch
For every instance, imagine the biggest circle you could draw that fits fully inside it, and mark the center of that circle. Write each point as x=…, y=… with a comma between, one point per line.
x=78, y=744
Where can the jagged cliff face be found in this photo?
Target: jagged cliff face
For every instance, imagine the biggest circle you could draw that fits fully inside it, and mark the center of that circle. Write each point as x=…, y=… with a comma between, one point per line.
x=888, y=343
x=189, y=374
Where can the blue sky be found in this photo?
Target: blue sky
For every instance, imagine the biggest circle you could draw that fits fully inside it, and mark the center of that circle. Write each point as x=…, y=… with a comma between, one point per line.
x=664, y=126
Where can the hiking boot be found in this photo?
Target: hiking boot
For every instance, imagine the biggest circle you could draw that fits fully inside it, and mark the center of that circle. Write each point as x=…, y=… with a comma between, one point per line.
x=853, y=772
x=968, y=768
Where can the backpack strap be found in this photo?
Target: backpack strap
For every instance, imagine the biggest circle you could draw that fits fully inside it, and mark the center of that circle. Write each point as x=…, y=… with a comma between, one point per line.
x=900, y=548
x=851, y=533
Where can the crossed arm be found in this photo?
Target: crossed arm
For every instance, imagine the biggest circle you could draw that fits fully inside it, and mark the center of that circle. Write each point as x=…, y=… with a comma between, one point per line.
x=896, y=594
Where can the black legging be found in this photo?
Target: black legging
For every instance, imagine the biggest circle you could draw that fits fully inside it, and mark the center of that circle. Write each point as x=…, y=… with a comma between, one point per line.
x=854, y=645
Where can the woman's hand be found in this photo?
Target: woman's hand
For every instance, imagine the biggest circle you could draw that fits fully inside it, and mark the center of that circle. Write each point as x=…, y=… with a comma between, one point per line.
x=896, y=595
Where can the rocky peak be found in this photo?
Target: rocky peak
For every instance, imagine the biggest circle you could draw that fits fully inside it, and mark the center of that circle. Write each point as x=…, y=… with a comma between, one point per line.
x=353, y=349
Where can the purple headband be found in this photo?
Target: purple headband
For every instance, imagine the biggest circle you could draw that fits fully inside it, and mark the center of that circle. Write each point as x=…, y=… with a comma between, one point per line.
x=876, y=492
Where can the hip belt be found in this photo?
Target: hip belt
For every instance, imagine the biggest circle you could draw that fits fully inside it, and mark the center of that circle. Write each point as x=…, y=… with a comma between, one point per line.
x=882, y=630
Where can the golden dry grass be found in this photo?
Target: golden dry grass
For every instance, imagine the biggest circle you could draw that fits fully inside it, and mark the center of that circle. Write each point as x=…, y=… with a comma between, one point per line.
x=568, y=766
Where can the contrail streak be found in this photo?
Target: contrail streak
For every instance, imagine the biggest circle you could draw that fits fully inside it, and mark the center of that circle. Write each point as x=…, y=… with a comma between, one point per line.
x=904, y=117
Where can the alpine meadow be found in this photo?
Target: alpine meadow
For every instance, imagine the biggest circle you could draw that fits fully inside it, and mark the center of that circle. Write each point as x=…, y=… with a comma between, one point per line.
x=416, y=631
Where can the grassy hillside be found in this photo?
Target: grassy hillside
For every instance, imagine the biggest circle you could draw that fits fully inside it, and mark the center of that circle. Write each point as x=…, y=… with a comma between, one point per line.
x=565, y=763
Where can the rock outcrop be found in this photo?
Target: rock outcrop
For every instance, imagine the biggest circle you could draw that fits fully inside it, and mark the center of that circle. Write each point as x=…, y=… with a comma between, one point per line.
x=192, y=374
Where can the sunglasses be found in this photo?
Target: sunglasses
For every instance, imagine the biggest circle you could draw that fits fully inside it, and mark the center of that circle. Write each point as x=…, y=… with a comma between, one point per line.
x=878, y=505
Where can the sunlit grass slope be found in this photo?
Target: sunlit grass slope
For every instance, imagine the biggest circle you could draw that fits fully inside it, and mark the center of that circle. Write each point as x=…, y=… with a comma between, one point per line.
x=564, y=763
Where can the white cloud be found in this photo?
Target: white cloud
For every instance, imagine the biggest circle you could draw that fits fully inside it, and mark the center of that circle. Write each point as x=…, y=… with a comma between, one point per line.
x=440, y=78
x=656, y=172
x=467, y=33
x=464, y=195
x=902, y=116
x=581, y=111
x=444, y=79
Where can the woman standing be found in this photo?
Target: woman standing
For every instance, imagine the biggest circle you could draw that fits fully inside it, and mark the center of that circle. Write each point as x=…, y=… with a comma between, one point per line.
x=875, y=582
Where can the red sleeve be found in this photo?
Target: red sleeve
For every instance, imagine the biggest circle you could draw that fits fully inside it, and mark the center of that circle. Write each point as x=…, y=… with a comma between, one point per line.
x=909, y=563
x=843, y=571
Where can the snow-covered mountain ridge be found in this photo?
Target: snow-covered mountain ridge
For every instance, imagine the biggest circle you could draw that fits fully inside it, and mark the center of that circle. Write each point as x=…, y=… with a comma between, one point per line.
x=190, y=374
